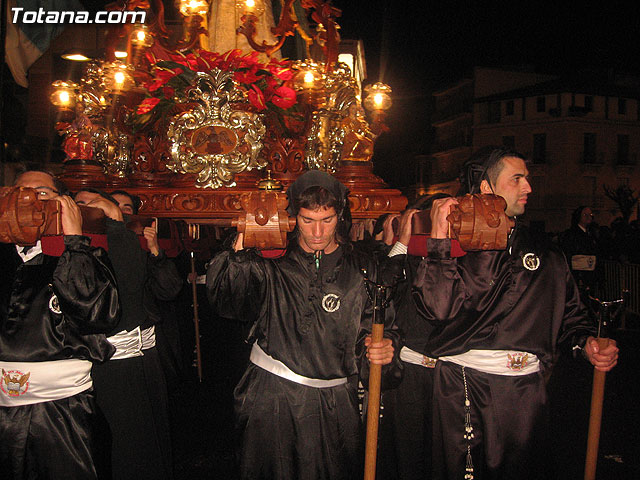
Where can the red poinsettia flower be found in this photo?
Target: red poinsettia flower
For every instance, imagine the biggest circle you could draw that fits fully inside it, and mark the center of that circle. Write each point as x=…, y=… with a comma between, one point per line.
x=147, y=105
x=179, y=58
x=284, y=97
x=249, y=60
x=256, y=98
x=247, y=77
x=162, y=77
x=168, y=91
x=230, y=60
x=283, y=74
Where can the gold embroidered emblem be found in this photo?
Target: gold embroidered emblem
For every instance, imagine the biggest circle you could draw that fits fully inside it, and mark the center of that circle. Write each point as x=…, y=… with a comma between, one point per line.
x=429, y=362
x=14, y=383
x=517, y=361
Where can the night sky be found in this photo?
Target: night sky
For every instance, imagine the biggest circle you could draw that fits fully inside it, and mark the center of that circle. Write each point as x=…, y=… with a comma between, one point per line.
x=418, y=47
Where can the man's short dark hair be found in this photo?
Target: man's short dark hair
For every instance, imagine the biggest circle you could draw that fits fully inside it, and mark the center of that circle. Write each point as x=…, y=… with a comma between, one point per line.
x=484, y=164
x=58, y=184
x=99, y=192
x=135, y=200
x=317, y=197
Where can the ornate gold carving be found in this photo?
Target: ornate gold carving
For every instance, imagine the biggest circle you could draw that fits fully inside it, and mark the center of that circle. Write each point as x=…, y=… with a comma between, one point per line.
x=326, y=135
x=213, y=139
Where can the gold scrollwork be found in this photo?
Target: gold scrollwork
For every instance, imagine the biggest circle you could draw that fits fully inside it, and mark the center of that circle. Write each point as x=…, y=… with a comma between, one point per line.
x=214, y=139
x=326, y=136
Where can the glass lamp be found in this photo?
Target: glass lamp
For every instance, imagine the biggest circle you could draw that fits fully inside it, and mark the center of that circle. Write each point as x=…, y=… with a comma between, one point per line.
x=141, y=36
x=64, y=94
x=377, y=98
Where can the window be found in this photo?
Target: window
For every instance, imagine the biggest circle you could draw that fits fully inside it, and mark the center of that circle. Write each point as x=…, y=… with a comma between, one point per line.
x=623, y=150
x=509, y=141
x=588, y=103
x=509, y=107
x=494, y=112
x=541, y=104
x=622, y=106
x=539, y=148
x=589, y=149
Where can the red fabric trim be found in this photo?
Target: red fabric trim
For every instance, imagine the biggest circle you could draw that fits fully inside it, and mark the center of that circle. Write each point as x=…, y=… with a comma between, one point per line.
x=273, y=253
x=53, y=245
x=418, y=247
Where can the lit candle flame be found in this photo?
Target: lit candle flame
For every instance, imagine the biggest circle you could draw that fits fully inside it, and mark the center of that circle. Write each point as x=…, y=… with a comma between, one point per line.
x=119, y=78
x=377, y=99
x=308, y=79
x=64, y=97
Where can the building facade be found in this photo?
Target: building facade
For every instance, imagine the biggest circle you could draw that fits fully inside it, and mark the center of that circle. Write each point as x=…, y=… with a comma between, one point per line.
x=578, y=134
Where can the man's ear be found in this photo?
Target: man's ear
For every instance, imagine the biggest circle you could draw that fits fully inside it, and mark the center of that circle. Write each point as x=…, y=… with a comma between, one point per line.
x=485, y=187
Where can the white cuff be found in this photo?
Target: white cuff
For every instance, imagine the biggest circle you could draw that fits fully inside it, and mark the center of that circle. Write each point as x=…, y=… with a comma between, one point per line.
x=398, y=249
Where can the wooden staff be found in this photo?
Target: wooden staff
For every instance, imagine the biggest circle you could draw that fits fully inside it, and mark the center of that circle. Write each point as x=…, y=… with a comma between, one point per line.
x=597, y=392
x=373, y=409
x=379, y=301
x=196, y=320
x=595, y=418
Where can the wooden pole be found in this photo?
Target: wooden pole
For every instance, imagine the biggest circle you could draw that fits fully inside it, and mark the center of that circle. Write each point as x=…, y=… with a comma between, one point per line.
x=373, y=409
x=595, y=418
x=375, y=380
x=196, y=320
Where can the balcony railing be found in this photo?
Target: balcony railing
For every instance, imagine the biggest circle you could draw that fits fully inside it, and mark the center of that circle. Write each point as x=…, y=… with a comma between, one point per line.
x=618, y=277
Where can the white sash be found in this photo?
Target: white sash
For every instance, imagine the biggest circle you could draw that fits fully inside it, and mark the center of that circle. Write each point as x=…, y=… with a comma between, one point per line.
x=131, y=344
x=497, y=362
x=411, y=356
x=270, y=364
x=585, y=263
x=26, y=383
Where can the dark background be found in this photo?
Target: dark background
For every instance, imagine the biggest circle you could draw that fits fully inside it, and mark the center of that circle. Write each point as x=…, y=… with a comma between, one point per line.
x=420, y=47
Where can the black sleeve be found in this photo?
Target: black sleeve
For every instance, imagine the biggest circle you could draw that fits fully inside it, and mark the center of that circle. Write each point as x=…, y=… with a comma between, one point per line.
x=163, y=279
x=438, y=289
x=236, y=286
x=85, y=286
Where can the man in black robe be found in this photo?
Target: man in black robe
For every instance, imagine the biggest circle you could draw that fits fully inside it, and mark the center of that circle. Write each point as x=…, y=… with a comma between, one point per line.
x=310, y=318
x=499, y=317
x=131, y=387
x=54, y=313
x=580, y=246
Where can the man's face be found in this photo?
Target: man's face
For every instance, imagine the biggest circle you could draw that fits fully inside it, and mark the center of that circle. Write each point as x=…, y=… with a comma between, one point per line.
x=586, y=217
x=317, y=229
x=512, y=185
x=84, y=198
x=41, y=182
x=124, y=202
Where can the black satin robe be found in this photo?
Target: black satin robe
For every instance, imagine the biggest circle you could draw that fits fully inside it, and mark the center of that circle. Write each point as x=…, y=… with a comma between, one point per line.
x=407, y=421
x=290, y=430
x=55, y=439
x=489, y=300
x=132, y=392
